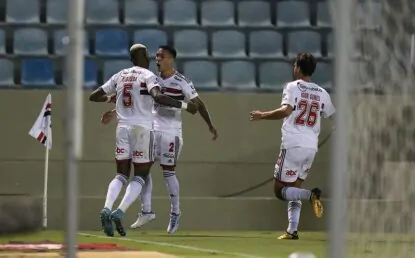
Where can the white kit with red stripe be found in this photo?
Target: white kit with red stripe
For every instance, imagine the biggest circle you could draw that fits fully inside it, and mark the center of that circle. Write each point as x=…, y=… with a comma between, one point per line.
x=168, y=119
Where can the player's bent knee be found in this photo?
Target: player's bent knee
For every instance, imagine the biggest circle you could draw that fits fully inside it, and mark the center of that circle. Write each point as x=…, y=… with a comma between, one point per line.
x=168, y=168
x=142, y=169
x=277, y=189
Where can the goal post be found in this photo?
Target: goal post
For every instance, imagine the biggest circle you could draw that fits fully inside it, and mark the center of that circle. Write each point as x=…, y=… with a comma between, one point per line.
x=376, y=195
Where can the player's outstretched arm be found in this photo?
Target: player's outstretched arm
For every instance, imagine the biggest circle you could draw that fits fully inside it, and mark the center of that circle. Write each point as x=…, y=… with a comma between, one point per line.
x=204, y=113
x=167, y=101
x=280, y=113
x=99, y=95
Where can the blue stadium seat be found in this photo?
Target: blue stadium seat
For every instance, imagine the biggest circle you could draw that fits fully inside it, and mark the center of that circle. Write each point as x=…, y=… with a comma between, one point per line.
x=228, y=43
x=102, y=12
x=153, y=67
x=57, y=11
x=143, y=12
x=254, y=13
x=204, y=74
x=274, y=75
x=111, y=42
x=323, y=14
x=2, y=42
x=90, y=74
x=323, y=75
x=151, y=38
x=293, y=14
x=304, y=41
x=180, y=12
x=60, y=47
x=265, y=43
x=37, y=72
x=330, y=44
x=30, y=41
x=6, y=72
x=114, y=66
x=22, y=11
x=238, y=75
x=218, y=13
x=191, y=43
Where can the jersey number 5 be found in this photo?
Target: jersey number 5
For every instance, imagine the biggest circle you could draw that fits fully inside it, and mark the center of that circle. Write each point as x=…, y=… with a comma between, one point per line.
x=308, y=115
x=126, y=95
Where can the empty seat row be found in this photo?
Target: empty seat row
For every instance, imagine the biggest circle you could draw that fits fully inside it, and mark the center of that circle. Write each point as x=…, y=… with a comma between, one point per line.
x=204, y=74
x=189, y=43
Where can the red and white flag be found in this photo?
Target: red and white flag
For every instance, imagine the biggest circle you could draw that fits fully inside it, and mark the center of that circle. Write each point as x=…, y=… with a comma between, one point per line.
x=42, y=129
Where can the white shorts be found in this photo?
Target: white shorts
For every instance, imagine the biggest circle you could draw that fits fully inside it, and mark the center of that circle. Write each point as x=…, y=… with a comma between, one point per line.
x=293, y=164
x=134, y=142
x=167, y=148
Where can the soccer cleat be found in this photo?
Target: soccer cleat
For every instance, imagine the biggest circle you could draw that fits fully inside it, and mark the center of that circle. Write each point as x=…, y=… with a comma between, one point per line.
x=144, y=218
x=288, y=236
x=173, y=223
x=315, y=201
x=116, y=217
x=106, y=222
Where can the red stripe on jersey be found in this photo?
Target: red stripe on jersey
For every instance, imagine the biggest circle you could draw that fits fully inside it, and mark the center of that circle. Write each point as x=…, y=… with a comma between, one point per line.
x=172, y=90
x=143, y=85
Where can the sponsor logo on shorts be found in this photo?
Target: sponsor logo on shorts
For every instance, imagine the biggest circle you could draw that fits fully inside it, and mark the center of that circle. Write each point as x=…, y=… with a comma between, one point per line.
x=138, y=154
x=290, y=172
x=120, y=150
x=168, y=155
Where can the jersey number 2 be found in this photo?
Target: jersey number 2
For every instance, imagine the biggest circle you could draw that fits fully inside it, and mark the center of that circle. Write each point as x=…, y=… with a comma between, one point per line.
x=126, y=95
x=308, y=114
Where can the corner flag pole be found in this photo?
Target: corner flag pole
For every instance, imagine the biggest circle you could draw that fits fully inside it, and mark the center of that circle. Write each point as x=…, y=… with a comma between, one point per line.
x=45, y=183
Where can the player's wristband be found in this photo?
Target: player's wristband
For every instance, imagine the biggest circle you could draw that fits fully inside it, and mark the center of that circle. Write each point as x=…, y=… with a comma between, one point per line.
x=184, y=105
x=108, y=99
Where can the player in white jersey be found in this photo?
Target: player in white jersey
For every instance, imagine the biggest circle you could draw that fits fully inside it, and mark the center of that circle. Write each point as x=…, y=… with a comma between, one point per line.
x=303, y=105
x=136, y=89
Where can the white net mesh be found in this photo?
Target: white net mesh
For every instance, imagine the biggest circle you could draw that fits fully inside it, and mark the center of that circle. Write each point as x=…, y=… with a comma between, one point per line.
x=381, y=211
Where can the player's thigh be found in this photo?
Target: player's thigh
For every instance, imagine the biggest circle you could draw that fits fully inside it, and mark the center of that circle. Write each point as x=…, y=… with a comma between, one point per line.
x=170, y=146
x=122, y=144
x=289, y=165
x=142, y=145
x=307, y=163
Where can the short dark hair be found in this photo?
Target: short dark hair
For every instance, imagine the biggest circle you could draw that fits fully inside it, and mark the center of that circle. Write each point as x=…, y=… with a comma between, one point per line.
x=169, y=49
x=307, y=63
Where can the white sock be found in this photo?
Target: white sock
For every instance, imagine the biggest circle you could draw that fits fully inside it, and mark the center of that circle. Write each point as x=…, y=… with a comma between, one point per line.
x=132, y=193
x=146, y=195
x=294, y=210
x=114, y=190
x=295, y=194
x=173, y=187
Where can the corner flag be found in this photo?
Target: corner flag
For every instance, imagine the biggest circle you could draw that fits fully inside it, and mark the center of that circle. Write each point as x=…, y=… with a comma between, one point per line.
x=42, y=129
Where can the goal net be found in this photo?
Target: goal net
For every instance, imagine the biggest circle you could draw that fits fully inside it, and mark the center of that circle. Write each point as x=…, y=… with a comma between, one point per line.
x=381, y=187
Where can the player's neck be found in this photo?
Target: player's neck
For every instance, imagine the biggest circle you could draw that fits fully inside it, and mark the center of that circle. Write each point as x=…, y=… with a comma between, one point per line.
x=305, y=78
x=167, y=74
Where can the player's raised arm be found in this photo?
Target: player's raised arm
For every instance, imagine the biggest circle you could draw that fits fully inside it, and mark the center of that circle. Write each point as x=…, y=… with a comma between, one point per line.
x=105, y=92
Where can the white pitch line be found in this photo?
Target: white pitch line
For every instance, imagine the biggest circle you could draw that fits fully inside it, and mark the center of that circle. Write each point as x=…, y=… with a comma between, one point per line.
x=172, y=245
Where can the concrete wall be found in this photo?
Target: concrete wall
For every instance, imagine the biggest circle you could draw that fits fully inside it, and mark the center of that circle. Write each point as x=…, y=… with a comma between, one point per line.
x=243, y=155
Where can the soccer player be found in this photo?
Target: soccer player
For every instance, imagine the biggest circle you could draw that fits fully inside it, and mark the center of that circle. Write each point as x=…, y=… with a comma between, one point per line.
x=303, y=104
x=136, y=90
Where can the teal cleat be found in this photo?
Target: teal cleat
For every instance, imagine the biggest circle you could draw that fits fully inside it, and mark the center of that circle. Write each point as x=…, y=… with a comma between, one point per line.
x=116, y=217
x=106, y=224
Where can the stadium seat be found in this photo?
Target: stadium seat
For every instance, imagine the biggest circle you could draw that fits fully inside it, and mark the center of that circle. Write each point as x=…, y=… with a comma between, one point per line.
x=102, y=12
x=304, y=41
x=323, y=75
x=112, y=67
x=228, y=43
x=323, y=14
x=57, y=11
x=153, y=67
x=191, y=43
x=293, y=14
x=151, y=38
x=204, y=74
x=6, y=72
x=274, y=75
x=180, y=12
x=22, y=11
x=265, y=43
x=111, y=42
x=30, y=41
x=37, y=72
x=2, y=42
x=218, y=13
x=330, y=44
x=60, y=47
x=143, y=12
x=254, y=13
x=238, y=75
x=90, y=74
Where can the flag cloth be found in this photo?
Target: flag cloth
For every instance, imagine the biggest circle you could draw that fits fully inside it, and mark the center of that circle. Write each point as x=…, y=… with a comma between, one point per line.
x=42, y=129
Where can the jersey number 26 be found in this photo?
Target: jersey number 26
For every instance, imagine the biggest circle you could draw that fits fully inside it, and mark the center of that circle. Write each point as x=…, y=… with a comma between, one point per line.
x=308, y=115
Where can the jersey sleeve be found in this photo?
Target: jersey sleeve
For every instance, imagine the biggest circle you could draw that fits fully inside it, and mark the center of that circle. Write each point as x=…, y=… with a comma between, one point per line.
x=288, y=95
x=328, y=109
x=153, y=81
x=111, y=85
x=189, y=91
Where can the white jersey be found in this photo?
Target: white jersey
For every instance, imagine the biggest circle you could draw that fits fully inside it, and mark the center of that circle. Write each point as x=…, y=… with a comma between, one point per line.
x=310, y=102
x=134, y=104
x=169, y=119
